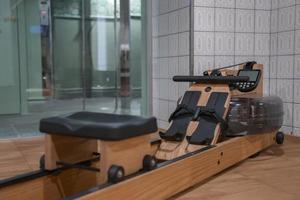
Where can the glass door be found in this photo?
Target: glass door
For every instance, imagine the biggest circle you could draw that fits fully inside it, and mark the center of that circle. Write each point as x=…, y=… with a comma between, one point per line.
x=9, y=75
x=112, y=67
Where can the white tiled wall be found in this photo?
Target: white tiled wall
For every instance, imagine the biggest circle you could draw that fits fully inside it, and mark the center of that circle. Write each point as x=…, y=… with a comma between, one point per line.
x=268, y=31
x=228, y=32
x=171, y=50
x=232, y=31
x=285, y=59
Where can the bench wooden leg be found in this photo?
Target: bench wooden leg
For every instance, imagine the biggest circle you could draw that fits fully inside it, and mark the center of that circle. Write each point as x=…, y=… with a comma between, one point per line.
x=67, y=149
x=128, y=154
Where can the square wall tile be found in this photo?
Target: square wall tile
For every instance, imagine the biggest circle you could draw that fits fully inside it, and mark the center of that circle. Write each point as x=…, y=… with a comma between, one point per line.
x=184, y=3
x=154, y=26
x=263, y=4
x=273, y=86
x=274, y=21
x=173, y=45
x=285, y=67
x=204, y=19
x=184, y=19
x=163, y=6
x=173, y=66
x=224, y=19
x=173, y=90
x=182, y=87
x=288, y=114
x=204, y=43
x=208, y=3
x=163, y=44
x=286, y=19
x=163, y=67
x=163, y=24
x=275, y=4
x=297, y=42
x=164, y=89
x=184, y=43
x=262, y=44
x=155, y=88
x=286, y=43
x=173, y=4
x=297, y=116
x=244, y=44
x=173, y=22
x=203, y=63
x=222, y=61
x=244, y=20
x=286, y=3
x=262, y=21
x=265, y=60
x=155, y=68
x=224, y=43
x=297, y=67
x=266, y=89
x=155, y=107
x=225, y=3
x=184, y=65
x=297, y=91
x=285, y=90
x=155, y=7
x=249, y=4
x=273, y=67
x=274, y=37
x=297, y=17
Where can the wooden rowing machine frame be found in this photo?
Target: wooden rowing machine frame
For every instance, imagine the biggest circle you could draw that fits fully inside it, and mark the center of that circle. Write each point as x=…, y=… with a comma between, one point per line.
x=181, y=170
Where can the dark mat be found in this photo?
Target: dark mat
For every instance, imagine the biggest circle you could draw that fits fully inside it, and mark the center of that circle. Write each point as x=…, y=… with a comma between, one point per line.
x=182, y=116
x=208, y=117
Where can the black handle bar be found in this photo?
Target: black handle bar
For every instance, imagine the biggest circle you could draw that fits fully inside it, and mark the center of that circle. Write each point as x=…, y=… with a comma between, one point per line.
x=211, y=79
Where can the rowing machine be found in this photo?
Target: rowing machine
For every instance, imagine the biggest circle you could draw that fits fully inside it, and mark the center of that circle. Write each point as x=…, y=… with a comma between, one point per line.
x=106, y=156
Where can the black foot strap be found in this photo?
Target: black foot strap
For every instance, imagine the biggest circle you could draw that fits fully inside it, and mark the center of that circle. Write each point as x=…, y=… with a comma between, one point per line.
x=182, y=116
x=209, y=117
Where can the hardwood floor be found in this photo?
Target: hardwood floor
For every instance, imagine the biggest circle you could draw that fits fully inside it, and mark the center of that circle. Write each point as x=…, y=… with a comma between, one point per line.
x=20, y=156
x=274, y=174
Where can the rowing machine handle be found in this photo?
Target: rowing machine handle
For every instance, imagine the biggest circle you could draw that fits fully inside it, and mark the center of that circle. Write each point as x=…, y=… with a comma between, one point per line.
x=211, y=79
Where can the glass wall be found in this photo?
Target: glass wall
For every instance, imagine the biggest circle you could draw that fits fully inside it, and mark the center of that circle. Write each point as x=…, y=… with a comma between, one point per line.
x=67, y=56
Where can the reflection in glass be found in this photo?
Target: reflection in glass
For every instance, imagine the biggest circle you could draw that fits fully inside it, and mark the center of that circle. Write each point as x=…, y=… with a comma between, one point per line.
x=65, y=56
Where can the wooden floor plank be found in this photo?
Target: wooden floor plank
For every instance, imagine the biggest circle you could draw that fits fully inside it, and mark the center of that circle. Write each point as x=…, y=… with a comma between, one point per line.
x=12, y=161
x=274, y=174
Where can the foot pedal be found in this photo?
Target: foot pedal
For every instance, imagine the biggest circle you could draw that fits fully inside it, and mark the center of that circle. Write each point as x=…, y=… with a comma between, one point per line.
x=182, y=116
x=209, y=117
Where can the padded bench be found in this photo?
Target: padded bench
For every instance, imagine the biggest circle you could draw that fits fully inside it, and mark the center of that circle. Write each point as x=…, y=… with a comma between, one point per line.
x=123, y=141
x=102, y=126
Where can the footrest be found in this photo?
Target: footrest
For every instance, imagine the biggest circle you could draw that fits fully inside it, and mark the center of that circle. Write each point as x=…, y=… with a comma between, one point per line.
x=208, y=121
x=182, y=116
x=101, y=126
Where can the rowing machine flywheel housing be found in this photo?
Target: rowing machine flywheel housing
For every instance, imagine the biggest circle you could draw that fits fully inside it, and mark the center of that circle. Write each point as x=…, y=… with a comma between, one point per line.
x=254, y=115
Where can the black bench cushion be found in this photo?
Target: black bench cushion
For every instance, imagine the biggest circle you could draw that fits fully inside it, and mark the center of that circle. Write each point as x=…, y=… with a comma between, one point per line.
x=101, y=126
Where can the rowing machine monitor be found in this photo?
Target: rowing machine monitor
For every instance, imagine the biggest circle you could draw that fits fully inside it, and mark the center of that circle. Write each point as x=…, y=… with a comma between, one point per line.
x=251, y=84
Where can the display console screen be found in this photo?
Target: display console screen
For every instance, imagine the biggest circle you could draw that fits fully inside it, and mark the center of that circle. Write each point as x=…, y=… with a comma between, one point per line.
x=251, y=74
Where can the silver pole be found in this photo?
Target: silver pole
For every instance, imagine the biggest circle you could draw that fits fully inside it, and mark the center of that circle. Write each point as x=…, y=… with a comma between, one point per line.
x=83, y=54
x=116, y=63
